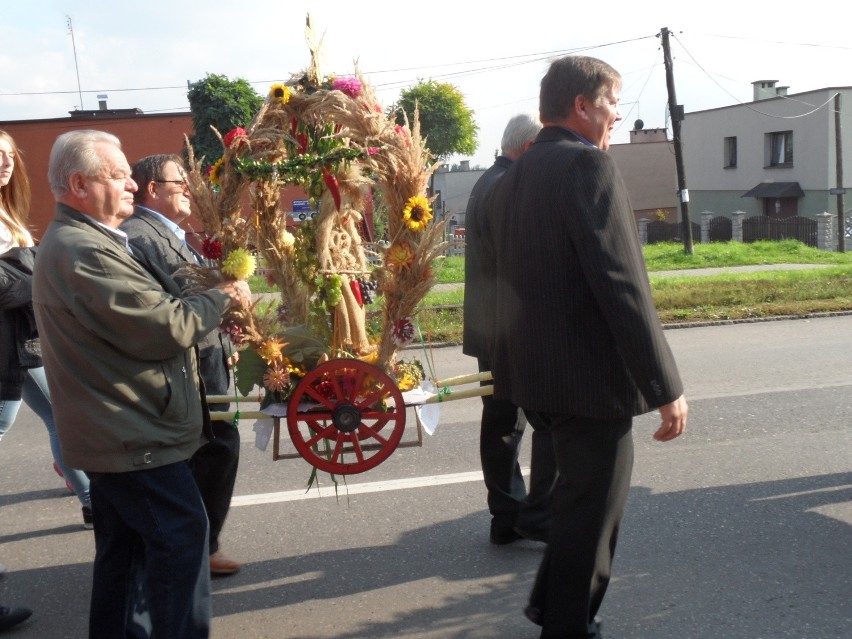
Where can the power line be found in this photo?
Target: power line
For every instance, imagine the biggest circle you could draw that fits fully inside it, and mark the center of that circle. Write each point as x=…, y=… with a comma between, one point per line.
x=796, y=44
x=748, y=105
x=535, y=57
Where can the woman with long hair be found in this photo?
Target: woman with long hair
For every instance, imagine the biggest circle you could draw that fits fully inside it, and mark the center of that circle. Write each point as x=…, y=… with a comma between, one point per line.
x=21, y=373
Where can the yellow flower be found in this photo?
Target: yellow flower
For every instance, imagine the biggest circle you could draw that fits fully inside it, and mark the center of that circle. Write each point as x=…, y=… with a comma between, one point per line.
x=276, y=379
x=271, y=350
x=295, y=369
x=239, y=264
x=417, y=213
x=405, y=383
x=279, y=93
x=399, y=255
x=370, y=358
x=287, y=238
x=215, y=172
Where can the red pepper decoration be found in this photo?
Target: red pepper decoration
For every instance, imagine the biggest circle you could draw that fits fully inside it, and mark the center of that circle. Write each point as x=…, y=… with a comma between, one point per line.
x=303, y=143
x=331, y=183
x=355, y=285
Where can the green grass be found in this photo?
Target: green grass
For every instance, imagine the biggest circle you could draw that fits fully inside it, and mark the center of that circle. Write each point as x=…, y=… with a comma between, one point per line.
x=667, y=256
x=760, y=294
x=684, y=299
x=450, y=271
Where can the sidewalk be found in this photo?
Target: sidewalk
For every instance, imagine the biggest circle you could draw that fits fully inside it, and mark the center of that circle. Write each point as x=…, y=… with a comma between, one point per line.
x=697, y=272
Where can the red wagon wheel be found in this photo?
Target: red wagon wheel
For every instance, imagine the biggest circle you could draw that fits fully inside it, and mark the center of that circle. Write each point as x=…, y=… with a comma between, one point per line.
x=347, y=412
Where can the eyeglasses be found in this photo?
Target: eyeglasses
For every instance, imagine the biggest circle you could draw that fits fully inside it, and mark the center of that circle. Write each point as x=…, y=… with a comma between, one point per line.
x=180, y=183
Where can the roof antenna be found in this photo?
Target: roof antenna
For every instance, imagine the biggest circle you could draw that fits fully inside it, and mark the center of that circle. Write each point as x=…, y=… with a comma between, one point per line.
x=74, y=45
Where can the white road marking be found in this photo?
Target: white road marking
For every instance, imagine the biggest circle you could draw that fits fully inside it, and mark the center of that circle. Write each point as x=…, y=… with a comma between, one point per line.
x=359, y=489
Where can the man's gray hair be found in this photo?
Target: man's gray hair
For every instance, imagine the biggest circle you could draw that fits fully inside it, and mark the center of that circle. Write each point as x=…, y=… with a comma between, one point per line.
x=520, y=130
x=74, y=152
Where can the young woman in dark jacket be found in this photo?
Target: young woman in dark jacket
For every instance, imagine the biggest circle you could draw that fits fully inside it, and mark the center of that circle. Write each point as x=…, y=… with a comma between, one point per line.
x=21, y=373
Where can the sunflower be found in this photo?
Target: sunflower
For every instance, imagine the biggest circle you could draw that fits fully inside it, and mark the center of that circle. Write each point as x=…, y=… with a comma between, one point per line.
x=279, y=93
x=417, y=213
x=214, y=174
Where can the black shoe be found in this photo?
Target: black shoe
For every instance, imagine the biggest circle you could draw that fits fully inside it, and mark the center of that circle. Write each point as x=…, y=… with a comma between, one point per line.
x=88, y=522
x=533, y=534
x=533, y=614
x=13, y=616
x=595, y=628
x=501, y=536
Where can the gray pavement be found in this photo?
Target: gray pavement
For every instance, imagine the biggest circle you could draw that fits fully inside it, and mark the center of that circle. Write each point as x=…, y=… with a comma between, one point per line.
x=740, y=529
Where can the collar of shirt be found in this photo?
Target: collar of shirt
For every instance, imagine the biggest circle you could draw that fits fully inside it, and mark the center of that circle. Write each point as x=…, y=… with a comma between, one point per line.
x=176, y=229
x=581, y=138
x=118, y=234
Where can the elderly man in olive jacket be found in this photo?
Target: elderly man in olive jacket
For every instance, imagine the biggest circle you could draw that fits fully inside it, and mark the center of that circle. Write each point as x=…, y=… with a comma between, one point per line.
x=118, y=347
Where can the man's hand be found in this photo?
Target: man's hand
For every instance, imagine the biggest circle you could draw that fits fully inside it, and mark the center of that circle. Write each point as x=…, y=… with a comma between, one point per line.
x=238, y=291
x=673, y=420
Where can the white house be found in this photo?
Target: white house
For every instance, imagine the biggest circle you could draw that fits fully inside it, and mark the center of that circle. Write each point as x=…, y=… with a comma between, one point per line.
x=774, y=156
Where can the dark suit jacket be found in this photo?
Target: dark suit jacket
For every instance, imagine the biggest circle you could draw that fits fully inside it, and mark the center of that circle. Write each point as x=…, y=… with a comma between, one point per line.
x=576, y=331
x=478, y=266
x=156, y=245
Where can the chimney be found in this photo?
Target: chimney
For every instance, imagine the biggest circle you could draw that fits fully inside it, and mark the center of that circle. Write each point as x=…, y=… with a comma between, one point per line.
x=102, y=101
x=764, y=89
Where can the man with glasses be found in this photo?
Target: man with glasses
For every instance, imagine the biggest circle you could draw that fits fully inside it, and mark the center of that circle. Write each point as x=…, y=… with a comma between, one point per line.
x=154, y=231
x=118, y=343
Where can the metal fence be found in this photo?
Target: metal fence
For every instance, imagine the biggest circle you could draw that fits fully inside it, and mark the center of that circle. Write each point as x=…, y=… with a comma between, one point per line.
x=721, y=229
x=455, y=245
x=760, y=227
x=669, y=232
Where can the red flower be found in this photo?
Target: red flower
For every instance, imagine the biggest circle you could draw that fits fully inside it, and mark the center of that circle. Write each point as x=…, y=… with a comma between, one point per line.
x=404, y=133
x=403, y=332
x=233, y=134
x=234, y=331
x=351, y=86
x=211, y=249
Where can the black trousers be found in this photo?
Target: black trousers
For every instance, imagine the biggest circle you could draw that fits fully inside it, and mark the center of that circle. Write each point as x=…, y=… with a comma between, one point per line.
x=595, y=461
x=509, y=502
x=214, y=467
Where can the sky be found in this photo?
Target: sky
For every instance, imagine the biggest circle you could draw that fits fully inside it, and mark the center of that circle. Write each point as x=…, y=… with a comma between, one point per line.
x=143, y=55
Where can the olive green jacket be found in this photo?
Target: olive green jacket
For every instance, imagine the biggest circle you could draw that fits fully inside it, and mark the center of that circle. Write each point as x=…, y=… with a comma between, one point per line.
x=118, y=349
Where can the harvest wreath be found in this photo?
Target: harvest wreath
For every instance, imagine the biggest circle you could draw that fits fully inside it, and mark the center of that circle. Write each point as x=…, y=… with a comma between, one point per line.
x=328, y=135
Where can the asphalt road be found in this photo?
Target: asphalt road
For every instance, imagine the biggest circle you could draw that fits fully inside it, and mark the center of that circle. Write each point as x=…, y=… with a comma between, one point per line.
x=742, y=528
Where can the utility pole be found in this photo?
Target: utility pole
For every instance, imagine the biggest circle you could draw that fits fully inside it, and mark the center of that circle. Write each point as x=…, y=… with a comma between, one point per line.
x=74, y=46
x=676, y=111
x=838, y=154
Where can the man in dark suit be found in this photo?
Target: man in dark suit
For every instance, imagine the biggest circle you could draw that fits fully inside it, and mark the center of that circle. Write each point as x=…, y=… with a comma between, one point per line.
x=154, y=232
x=577, y=340
x=514, y=512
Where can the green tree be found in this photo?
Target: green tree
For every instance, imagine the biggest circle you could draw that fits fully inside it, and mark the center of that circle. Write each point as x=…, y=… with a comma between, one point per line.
x=222, y=103
x=445, y=121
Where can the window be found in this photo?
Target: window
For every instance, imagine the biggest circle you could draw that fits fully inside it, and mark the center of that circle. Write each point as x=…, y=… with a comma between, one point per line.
x=731, y=153
x=781, y=148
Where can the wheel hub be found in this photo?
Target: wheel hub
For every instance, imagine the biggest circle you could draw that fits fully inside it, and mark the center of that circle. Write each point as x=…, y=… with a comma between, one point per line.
x=346, y=417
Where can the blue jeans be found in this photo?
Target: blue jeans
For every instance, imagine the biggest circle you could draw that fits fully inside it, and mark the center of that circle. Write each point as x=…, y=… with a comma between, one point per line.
x=37, y=396
x=151, y=555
